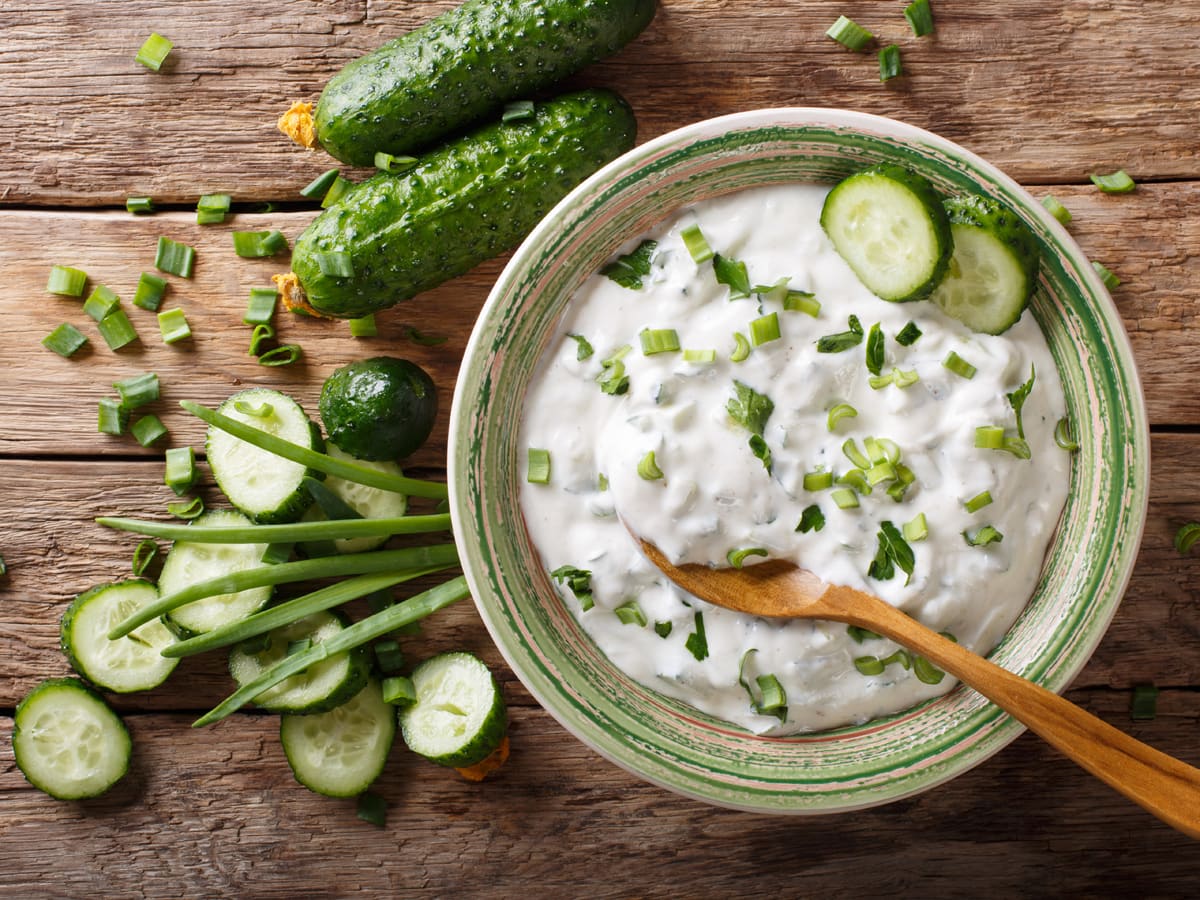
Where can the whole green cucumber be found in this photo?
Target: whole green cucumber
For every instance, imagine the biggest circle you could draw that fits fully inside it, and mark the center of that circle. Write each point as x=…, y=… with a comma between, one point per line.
x=463, y=65
x=467, y=201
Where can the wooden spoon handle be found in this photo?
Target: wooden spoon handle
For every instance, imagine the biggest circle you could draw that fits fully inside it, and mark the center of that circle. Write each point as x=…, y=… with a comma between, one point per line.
x=1160, y=784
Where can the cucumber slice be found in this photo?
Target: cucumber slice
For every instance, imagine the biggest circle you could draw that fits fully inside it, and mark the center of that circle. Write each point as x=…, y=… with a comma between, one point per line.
x=368, y=502
x=889, y=225
x=993, y=271
x=131, y=663
x=260, y=484
x=320, y=687
x=188, y=563
x=459, y=716
x=341, y=752
x=67, y=742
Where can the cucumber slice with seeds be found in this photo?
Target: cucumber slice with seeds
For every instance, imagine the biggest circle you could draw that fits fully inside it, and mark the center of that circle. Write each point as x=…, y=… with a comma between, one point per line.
x=459, y=716
x=993, y=271
x=131, y=663
x=319, y=688
x=889, y=225
x=68, y=742
x=260, y=484
x=341, y=752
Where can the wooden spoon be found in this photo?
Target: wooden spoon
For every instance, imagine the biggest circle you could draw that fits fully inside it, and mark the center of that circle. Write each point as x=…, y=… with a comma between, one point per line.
x=1160, y=784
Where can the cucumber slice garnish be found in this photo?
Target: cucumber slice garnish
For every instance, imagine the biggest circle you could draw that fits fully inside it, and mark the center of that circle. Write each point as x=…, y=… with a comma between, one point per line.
x=341, y=752
x=259, y=483
x=459, y=716
x=889, y=225
x=188, y=563
x=369, y=502
x=67, y=742
x=993, y=271
x=320, y=687
x=131, y=663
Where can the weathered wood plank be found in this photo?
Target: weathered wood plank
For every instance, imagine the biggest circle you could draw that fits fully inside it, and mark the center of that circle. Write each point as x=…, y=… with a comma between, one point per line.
x=217, y=814
x=85, y=125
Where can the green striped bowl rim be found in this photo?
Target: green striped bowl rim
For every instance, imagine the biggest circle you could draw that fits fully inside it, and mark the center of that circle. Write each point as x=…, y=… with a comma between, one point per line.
x=667, y=742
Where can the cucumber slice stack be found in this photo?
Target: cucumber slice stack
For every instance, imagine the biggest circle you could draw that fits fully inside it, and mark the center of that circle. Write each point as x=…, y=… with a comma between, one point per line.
x=459, y=716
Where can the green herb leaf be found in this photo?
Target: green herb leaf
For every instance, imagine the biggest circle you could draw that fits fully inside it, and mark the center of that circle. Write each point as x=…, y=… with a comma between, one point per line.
x=584, y=349
x=893, y=550
x=875, y=349
x=579, y=581
x=812, y=519
x=749, y=408
x=732, y=273
x=907, y=336
x=843, y=340
x=1186, y=537
x=630, y=270
x=1017, y=400
x=697, y=643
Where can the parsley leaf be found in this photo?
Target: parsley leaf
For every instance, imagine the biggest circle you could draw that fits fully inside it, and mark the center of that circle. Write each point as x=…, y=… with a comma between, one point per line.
x=843, y=340
x=696, y=642
x=875, y=350
x=812, y=519
x=749, y=408
x=892, y=551
x=907, y=336
x=732, y=273
x=585, y=348
x=1017, y=400
x=629, y=270
x=579, y=581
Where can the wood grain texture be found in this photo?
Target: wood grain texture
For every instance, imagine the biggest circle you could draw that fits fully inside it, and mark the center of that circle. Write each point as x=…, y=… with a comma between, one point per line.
x=86, y=125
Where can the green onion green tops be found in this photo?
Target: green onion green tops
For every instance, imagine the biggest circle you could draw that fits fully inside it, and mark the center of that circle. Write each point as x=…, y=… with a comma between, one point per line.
x=149, y=292
x=1056, y=209
x=658, y=340
x=697, y=641
x=1111, y=281
x=113, y=417
x=385, y=162
x=983, y=536
x=583, y=348
x=838, y=412
x=612, y=378
x=143, y=556
x=1186, y=537
x=174, y=258
x=959, y=366
x=850, y=34
x=737, y=558
x=741, y=348
x=697, y=246
x=517, y=111
x=764, y=329
x=771, y=699
x=117, y=330
x=261, y=307
x=889, y=63
x=538, y=470
x=978, y=502
x=319, y=186
x=66, y=282
x=212, y=209
x=579, y=581
x=148, y=429
x=337, y=189
x=700, y=356
x=916, y=530
x=908, y=335
x=173, y=325
x=258, y=244
x=920, y=17
x=191, y=509
x=1116, y=183
x=65, y=340
x=630, y=614
x=648, y=469
x=843, y=340
x=139, y=206
x=153, y=52
x=812, y=519
x=362, y=327
x=180, y=473
x=875, y=349
x=732, y=273
x=100, y=302
x=631, y=269
x=137, y=390
x=1143, y=702
x=802, y=301
x=818, y=481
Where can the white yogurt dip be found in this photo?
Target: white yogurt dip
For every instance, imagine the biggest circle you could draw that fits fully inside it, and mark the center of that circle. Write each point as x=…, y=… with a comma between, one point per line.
x=716, y=495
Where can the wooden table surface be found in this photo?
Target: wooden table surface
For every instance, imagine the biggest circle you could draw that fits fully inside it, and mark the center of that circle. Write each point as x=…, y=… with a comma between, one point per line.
x=1049, y=90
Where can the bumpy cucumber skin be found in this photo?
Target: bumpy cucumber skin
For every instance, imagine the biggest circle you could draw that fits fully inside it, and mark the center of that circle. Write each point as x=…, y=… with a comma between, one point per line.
x=378, y=408
x=465, y=202
x=992, y=215
x=464, y=64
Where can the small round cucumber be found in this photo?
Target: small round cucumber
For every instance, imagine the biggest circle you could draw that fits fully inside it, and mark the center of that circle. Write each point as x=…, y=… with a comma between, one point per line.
x=459, y=716
x=369, y=502
x=319, y=688
x=131, y=663
x=889, y=225
x=993, y=271
x=378, y=408
x=260, y=484
x=188, y=563
x=68, y=742
x=341, y=752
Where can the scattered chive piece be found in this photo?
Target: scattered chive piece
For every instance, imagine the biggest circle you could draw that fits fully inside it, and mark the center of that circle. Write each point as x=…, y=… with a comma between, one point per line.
x=335, y=264
x=1056, y=209
x=1062, y=435
x=113, y=417
x=842, y=340
x=258, y=244
x=774, y=698
x=978, y=502
x=148, y=429
x=261, y=307
x=858, y=635
x=845, y=498
x=907, y=336
x=647, y=468
x=192, y=509
x=139, y=206
x=812, y=519
x=262, y=410
x=927, y=671
x=802, y=301
x=389, y=657
x=916, y=530
x=869, y=665
x=878, y=382
x=874, y=350
x=385, y=162
x=989, y=437
x=337, y=189
x=259, y=336
x=517, y=110
x=399, y=691
x=538, y=470
x=697, y=642
x=364, y=326
x=658, y=340
x=983, y=536
x=959, y=366
x=889, y=62
x=283, y=355
x=732, y=273
x=320, y=185
x=173, y=325
x=818, y=481
x=920, y=17
x=850, y=34
x=149, y=292
x=737, y=558
x=143, y=555
x=64, y=340
x=700, y=356
x=66, y=282
x=116, y=329
x=1143, y=702
x=903, y=379
x=856, y=479
x=372, y=808
x=1186, y=537
x=741, y=347
x=881, y=472
x=630, y=269
x=1111, y=281
x=697, y=246
x=174, y=257
x=180, y=473
x=580, y=583
x=1116, y=183
x=100, y=302
x=278, y=552
x=764, y=329
x=839, y=412
x=583, y=348
x=138, y=390
x=4, y=571
x=425, y=340
x=631, y=614
x=850, y=449
x=153, y=52
x=662, y=629
x=211, y=208
x=771, y=292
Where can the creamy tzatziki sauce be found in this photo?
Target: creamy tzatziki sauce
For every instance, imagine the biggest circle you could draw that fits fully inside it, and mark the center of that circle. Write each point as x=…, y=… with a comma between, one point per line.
x=715, y=493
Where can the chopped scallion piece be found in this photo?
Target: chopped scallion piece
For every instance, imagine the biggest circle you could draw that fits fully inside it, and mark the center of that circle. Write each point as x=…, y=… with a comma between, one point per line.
x=583, y=348
x=66, y=282
x=978, y=502
x=889, y=62
x=869, y=665
x=630, y=269
x=174, y=258
x=320, y=185
x=1117, y=183
x=658, y=340
x=989, y=437
x=858, y=635
x=180, y=473
x=335, y=264
x=700, y=356
x=802, y=301
x=116, y=329
x=926, y=671
x=850, y=34
x=64, y=340
x=983, y=536
x=425, y=340
x=337, y=190
x=818, y=481
x=1143, y=702
x=143, y=555
x=850, y=448
x=771, y=292
x=920, y=17
x=259, y=244
x=907, y=336
x=139, y=206
x=1062, y=435
x=737, y=558
x=732, y=273
x=364, y=326
x=211, y=208
x=389, y=656
x=1056, y=209
x=839, y=412
x=874, y=350
x=647, y=468
x=261, y=307
x=153, y=52
x=631, y=614
x=283, y=355
x=259, y=336
x=878, y=382
x=697, y=246
x=398, y=690
x=774, y=698
x=903, y=379
x=845, y=498
x=256, y=410
x=916, y=530
x=148, y=429
x=764, y=329
x=279, y=552
x=538, y=466
x=843, y=340
x=580, y=583
x=192, y=509
x=959, y=366
x=741, y=347
x=1186, y=537
x=1111, y=281
x=881, y=472
x=697, y=642
x=904, y=479
x=137, y=390
x=517, y=110
x=385, y=162
x=812, y=519
x=298, y=646
x=100, y=302
x=663, y=629
x=4, y=567
x=173, y=325
x=113, y=416
x=899, y=656
x=149, y=292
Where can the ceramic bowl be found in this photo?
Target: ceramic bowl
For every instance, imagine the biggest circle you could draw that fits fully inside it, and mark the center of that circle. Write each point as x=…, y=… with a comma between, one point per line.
x=667, y=742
